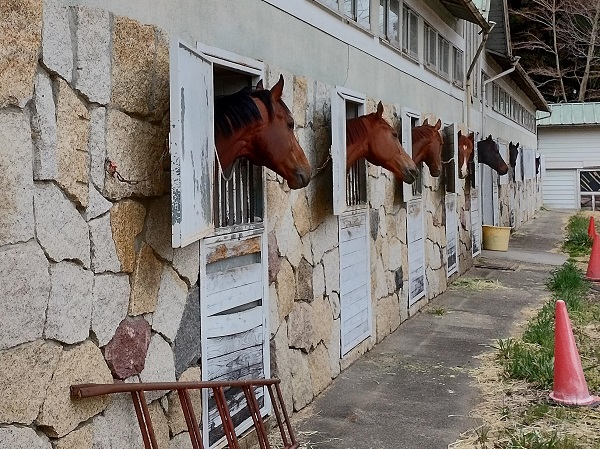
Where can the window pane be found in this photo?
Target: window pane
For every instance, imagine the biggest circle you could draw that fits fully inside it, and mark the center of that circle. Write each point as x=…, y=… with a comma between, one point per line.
x=458, y=67
x=393, y=31
x=430, y=46
x=444, y=56
x=362, y=12
x=383, y=17
x=333, y=4
x=414, y=34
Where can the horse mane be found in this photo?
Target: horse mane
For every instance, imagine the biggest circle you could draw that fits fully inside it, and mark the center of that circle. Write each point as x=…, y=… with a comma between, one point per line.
x=355, y=130
x=238, y=110
x=423, y=132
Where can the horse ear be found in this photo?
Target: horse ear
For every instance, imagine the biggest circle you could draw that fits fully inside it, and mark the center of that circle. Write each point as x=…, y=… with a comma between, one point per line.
x=426, y=122
x=517, y=146
x=438, y=125
x=489, y=137
x=277, y=89
x=459, y=133
x=259, y=85
x=379, y=110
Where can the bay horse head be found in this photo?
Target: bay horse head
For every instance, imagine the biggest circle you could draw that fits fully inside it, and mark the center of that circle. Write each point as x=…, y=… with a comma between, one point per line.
x=489, y=154
x=465, y=152
x=259, y=126
x=513, y=151
x=427, y=146
x=372, y=137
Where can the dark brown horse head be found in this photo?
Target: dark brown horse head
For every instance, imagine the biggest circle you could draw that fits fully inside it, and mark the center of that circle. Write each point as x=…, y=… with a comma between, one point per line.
x=258, y=125
x=427, y=146
x=465, y=152
x=489, y=154
x=513, y=151
x=372, y=137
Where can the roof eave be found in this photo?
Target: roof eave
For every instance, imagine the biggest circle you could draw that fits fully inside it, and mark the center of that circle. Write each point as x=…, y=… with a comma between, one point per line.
x=523, y=80
x=466, y=9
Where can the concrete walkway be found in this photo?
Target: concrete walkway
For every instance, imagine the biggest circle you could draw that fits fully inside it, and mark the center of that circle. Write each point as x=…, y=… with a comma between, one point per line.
x=413, y=390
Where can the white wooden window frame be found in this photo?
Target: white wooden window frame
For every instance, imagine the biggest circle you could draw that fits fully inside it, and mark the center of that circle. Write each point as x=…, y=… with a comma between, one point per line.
x=339, y=96
x=444, y=50
x=406, y=120
x=430, y=47
x=215, y=56
x=385, y=31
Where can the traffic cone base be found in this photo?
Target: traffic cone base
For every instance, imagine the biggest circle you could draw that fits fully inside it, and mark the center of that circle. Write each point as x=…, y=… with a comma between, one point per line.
x=593, y=269
x=570, y=386
x=592, y=228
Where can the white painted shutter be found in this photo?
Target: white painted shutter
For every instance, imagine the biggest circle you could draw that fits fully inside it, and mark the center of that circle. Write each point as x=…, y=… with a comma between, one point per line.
x=503, y=148
x=475, y=224
x=338, y=151
x=487, y=195
x=416, y=250
x=451, y=233
x=496, y=198
x=355, y=280
x=528, y=163
x=407, y=190
x=450, y=158
x=192, y=144
x=519, y=166
x=543, y=166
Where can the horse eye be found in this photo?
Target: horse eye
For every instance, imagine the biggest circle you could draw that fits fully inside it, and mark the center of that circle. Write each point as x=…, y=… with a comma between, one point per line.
x=291, y=125
x=395, y=134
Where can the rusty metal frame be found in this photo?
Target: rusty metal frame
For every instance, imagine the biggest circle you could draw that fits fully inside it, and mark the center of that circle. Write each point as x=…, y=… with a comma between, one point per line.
x=137, y=390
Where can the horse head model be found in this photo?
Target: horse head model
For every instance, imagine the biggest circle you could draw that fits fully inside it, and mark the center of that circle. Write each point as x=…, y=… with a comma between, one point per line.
x=465, y=152
x=427, y=146
x=513, y=151
x=258, y=125
x=372, y=137
x=488, y=154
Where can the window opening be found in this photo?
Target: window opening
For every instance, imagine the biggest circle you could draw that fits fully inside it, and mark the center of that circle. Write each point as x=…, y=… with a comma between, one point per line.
x=430, y=46
x=417, y=185
x=238, y=195
x=356, y=178
x=444, y=57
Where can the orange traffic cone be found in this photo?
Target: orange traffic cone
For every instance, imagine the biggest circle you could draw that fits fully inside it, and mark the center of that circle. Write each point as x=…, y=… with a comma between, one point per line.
x=592, y=228
x=593, y=269
x=570, y=386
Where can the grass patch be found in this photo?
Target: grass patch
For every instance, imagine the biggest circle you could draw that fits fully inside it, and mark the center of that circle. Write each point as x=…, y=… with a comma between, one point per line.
x=477, y=284
x=438, y=311
x=577, y=243
x=536, y=439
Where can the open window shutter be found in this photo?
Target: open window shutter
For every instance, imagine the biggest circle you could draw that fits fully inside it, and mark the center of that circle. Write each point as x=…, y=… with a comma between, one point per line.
x=474, y=164
x=192, y=144
x=449, y=158
x=503, y=148
x=407, y=145
x=519, y=167
x=338, y=151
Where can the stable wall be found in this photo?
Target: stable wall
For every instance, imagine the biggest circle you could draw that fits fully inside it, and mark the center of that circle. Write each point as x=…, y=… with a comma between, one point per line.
x=93, y=289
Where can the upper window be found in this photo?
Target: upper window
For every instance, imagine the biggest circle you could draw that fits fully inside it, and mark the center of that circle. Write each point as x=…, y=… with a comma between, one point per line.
x=443, y=57
x=410, y=32
x=356, y=10
x=458, y=73
x=430, y=46
x=389, y=21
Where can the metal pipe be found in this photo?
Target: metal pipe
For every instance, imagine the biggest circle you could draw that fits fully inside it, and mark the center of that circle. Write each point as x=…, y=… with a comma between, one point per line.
x=486, y=34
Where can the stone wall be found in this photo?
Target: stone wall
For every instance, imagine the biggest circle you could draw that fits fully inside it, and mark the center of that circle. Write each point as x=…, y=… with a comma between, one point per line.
x=92, y=289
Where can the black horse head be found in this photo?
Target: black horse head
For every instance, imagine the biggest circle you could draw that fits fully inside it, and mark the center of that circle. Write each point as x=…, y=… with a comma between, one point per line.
x=513, y=152
x=488, y=153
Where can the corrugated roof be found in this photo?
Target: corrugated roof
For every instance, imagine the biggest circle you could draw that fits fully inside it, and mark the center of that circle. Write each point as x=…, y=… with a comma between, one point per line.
x=571, y=114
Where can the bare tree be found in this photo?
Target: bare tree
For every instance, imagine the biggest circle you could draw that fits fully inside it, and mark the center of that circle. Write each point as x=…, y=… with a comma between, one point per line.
x=543, y=37
x=562, y=38
x=581, y=39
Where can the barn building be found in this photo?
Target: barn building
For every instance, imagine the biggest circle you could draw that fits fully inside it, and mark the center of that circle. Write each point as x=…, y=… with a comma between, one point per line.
x=568, y=140
x=128, y=253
